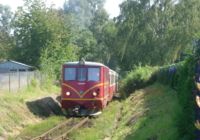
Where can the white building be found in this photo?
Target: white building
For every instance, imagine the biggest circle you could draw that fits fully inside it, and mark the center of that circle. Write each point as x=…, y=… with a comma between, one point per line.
x=10, y=65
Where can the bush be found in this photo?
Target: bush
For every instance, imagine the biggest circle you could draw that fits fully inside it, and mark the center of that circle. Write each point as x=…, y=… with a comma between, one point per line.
x=185, y=85
x=137, y=78
x=182, y=82
x=34, y=83
x=165, y=77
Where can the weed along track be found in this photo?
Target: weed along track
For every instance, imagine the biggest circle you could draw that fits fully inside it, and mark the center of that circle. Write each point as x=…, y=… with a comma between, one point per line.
x=116, y=123
x=61, y=131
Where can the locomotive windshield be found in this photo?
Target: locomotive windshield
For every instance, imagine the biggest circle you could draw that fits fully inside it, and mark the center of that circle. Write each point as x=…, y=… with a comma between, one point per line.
x=83, y=74
x=70, y=74
x=93, y=74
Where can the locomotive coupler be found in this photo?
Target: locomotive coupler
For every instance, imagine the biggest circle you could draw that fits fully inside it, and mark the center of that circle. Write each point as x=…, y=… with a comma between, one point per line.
x=77, y=109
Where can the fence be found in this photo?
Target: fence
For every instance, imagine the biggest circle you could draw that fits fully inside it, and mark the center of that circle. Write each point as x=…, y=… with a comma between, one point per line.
x=14, y=81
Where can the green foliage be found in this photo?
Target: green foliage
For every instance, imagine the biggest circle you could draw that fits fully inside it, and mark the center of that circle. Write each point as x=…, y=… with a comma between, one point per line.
x=156, y=32
x=183, y=82
x=30, y=36
x=82, y=10
x=33, y=130
x=164, y=76
x=86, y=43
x=137, y=78
x=6, y=40
x=54, y=56
x=100, y=127
x=20, y=115
x=146, y=32
x=42, y=38
x=149, y=113
x=34, y=83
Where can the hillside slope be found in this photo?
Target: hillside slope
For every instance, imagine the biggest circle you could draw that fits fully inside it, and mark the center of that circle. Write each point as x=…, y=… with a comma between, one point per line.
x=149, y=114
x=25, y=107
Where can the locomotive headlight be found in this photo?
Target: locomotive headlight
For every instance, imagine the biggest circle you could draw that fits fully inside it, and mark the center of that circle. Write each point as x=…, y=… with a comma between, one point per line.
x=67, y=93
x=94, y=93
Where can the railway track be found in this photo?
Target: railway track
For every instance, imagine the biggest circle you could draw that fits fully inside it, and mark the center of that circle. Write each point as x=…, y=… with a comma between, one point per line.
x=61, y=131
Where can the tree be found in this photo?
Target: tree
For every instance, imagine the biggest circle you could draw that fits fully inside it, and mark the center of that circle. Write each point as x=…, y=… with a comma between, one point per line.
x=6, y=40
x=82, y=10
x=155, y=32
x=87, y=45
x=42, y=37
x=87, y=21
x=96, y=27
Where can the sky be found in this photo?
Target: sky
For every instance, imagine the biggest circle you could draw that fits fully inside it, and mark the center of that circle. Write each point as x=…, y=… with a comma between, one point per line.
x=111, y=6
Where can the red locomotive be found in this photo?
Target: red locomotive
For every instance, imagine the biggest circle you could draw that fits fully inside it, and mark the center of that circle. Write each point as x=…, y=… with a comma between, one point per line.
x=87, y=87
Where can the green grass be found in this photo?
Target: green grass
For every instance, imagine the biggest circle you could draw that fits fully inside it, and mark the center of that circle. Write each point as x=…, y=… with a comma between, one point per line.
x=150, y=113
x=14, y=111
x=155, y=112
x=183, y=83
x=101, y=127
x=32, y=131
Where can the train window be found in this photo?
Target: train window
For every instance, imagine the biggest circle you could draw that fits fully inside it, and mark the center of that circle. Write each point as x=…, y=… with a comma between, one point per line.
x=70, y=74
x=82, y=74
x=111, y=78
x=106, y=76
x=93, y=74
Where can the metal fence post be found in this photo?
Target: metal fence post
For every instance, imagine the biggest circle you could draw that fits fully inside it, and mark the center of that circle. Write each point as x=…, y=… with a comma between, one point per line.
x=19, y=80
x=9, y=80
x=27, y=78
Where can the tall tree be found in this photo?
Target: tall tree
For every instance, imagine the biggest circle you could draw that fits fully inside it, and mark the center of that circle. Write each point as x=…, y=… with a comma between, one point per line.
x=82, y=10
x=36, y=27
x=156, y=32
x=6, y=39
x=41, y=35
x=104, y=32
x=88, y=20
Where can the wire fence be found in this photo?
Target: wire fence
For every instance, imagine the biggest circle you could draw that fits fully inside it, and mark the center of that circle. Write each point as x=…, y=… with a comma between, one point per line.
x=14, y=81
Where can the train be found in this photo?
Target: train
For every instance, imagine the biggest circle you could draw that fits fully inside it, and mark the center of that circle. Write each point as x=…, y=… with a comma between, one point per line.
x=87, y=87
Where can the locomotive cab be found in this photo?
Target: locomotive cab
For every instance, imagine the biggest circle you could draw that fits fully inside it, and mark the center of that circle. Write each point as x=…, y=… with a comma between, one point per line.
x=85, y=87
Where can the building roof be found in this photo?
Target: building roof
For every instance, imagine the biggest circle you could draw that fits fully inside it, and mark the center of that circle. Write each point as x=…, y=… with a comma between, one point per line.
x=15, y=62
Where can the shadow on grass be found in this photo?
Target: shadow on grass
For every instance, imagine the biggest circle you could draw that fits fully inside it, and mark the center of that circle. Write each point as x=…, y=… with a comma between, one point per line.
x=45, y=107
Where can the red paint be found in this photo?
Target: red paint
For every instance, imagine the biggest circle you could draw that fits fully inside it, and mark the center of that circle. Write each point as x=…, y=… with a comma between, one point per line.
x=81, y=92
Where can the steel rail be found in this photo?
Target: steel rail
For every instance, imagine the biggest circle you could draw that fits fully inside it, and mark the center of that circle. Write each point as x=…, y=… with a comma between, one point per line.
x=48, y=135
x=76, y=126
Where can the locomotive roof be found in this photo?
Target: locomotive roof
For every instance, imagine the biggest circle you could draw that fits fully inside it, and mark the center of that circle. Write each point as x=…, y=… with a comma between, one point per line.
x=88, y=63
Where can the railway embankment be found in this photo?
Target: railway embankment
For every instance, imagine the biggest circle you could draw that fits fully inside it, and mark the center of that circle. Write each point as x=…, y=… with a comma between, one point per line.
x=28, y=106
x=100, y=127
x=174, y=87
x=156, y=104
x=150, y=113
